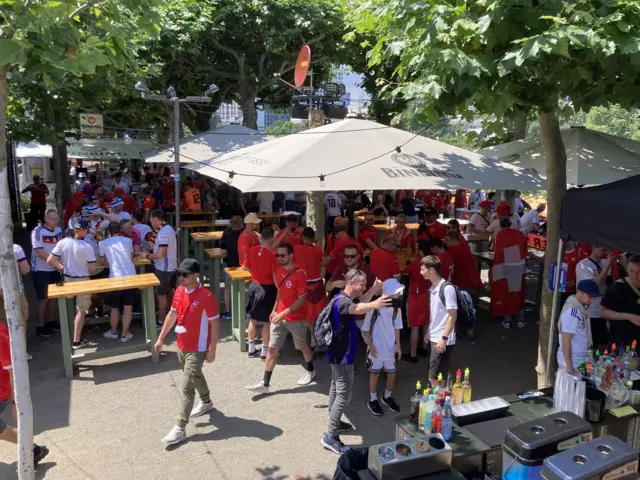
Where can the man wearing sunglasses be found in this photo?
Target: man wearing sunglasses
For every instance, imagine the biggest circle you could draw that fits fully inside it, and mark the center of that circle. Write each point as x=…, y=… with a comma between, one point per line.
x=289, y=316
x=352, y=258
x=195, y=309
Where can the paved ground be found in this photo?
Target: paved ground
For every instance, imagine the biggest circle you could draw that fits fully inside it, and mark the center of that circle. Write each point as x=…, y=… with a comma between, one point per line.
x=107, y=422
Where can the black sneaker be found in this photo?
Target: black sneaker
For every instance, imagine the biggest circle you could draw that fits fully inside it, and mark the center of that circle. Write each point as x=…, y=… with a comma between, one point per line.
x=345, y=427
x=467, y=339
x=375, y=408
x=39, y=452
x=55, y=326
x=391, y=403
x=44, y=332
x=423, y=352
x=82, y=343
x=410, y=359
x=254, y=354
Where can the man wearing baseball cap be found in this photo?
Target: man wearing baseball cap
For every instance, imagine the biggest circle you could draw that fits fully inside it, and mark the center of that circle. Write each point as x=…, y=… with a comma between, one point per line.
x=249, y=236
x=130, y=204
x=116, y=214
x=575, y=326
x=195, y=309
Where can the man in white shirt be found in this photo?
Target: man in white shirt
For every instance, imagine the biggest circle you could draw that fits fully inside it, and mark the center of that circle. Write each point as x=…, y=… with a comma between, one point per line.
x=43, y=239
x=22, y=269
x=530, y=221
x=574, y=329
x=143, y=229
x=596, y=267
x=76, y=259
x=121, y=182
x=475, y=198
x=333, y=207
x=265, y=202
x=118, y=251
x=165, y=261
x=480, y=221
x=116, y=214
x=443, y=316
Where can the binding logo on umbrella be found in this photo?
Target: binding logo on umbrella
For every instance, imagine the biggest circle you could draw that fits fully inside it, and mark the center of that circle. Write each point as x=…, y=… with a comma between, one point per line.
x=407, y=160
x=416, y=167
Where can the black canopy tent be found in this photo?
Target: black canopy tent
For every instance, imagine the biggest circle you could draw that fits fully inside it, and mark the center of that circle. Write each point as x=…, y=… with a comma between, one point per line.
x=607, y=216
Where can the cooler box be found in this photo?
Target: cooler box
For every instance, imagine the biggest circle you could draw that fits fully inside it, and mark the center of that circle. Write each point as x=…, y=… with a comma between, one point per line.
x=604, y=458
x=527, y=445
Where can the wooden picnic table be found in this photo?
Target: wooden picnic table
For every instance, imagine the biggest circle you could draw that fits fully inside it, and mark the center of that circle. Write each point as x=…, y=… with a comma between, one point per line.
x=360, y=219
x=478, y=240
x=215, y=258
x=238, y=310
x=138, y=262
x=185, y=230
x=200, y=238
x=66, y=307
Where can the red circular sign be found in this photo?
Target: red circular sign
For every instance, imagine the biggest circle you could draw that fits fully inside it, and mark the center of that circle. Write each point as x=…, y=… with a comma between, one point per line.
x=302, y=66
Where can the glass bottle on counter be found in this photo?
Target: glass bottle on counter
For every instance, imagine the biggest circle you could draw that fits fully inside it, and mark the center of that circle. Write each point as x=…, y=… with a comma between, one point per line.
x=447, y=419
x=448, y=389
x=424, y=401
x=466, y=387
x=457, y=389
x=436, y=418
x=414, y=413
x=607, y=379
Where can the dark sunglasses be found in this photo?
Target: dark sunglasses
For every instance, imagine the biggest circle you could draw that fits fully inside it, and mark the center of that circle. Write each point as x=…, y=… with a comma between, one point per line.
x=282, y=255
x=350, y=256
x=185, y=275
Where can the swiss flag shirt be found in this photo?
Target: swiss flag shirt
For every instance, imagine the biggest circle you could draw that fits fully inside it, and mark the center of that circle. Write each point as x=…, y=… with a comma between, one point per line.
x=292, y=239
x=5, y=362
x=291, y=286
x=246, y=240
x=195, y=310
x=308, y=258
x=384, y=264
x=262, y=263
x=435, y=230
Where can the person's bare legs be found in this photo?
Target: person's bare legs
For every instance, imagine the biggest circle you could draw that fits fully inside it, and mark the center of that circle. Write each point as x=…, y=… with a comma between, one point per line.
x=373, y=383
x=9, y=434
x=42, y=309
x=162, y=307
x=227, y=299
x=79, y=325
x=415, y=334
x=391, y=381
x=272, y=359
x=126, y=319
x=114, y=318
x=266, y=334
x=252, y=329
x=307, y=353
x=52, y=305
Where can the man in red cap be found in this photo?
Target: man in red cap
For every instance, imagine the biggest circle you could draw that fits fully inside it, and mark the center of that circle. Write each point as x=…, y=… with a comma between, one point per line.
x=39, y=192
x=480, y=221
x=130, y=205
x=508, y=274
x=73, y=205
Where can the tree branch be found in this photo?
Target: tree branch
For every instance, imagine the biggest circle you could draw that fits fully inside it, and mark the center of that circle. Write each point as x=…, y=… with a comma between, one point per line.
x=317, y=39
x=25, y=7
x=263, y=57
x=224, y=48
x=83, y=7
x=525, y=103
x=218, y=73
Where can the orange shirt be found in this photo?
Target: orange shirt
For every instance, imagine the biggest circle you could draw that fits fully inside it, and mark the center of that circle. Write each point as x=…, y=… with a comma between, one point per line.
x=192, y=196
x=435, y=230
x=291, y=286
x=384, y=264
x=262, y=263
x=246, y=240
x=366, y=233
x=418, y=285
x=308, y=258
x=292, y=239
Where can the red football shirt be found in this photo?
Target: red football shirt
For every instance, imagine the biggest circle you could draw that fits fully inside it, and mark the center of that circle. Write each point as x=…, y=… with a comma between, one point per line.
x=291, y=286
x=407, y=240
x=292, y=239
x=572, y=258
x=130, y=204
x=195, y=311
x=330, y=243
x=338, y=252
x=308, y=258
x=262, y=263
x=446, y=265
x=73, y=205
x=435, y=230
x=39, y=194
x=149, y=203
x=367, y=233
x=246, y=240
x=6, y=391
x=465, y=274
x=384, y=264
x=418, y=285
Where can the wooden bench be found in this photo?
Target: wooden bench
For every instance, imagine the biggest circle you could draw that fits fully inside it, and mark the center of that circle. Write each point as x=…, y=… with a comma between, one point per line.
x=215, y=258
x=185, y=230
x=200, y=238
x=66, y=307
x=238, y=309
x=188, y=213
x=139, y=263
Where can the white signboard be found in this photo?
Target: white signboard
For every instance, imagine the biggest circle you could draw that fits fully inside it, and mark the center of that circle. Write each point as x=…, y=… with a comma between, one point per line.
x=91, y=124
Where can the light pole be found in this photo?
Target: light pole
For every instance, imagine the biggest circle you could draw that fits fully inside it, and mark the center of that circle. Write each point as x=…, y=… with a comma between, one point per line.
x=172, y=97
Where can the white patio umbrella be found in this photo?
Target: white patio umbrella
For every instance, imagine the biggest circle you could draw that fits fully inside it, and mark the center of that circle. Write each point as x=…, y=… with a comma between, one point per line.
x=357, y=155
x=593, y=158
x=207, y=145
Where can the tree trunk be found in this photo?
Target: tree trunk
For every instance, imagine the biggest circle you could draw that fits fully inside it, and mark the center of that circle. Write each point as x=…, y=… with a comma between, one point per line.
x=556, y=155
x=516, y=124
x=315, y=200
x=11, y=293
x=249, y=112
x=61, y=173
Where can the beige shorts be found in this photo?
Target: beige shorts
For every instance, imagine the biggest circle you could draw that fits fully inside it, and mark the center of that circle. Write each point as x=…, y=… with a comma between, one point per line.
x=298, y=330
x=83, y=302
x=24, y=306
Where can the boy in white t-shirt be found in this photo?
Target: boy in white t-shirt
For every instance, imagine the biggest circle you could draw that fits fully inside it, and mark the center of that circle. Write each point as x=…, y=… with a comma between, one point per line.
x=382, y=330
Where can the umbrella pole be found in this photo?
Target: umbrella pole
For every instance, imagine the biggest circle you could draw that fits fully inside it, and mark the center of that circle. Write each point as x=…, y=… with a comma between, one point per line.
x=554, y=308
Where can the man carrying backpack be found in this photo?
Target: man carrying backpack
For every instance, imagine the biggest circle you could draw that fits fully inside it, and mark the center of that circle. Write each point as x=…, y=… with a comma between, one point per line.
x=443, y=315
x=342, y=347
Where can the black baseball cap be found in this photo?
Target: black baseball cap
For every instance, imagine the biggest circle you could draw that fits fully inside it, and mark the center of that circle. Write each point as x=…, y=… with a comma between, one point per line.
x=189, y=265
x=430, y=211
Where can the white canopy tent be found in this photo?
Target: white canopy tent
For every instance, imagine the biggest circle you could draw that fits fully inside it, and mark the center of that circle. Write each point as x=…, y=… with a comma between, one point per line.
x=357, y=155
x=207, y=145
x=593, y=158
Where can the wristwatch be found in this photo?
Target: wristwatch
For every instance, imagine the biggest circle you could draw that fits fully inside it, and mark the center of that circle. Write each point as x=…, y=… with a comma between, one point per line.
x=445, y=338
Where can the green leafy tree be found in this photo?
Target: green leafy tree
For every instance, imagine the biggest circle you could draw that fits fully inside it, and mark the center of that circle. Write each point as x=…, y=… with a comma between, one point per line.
x=49, y=41
x=278, y=129
x=498, y=56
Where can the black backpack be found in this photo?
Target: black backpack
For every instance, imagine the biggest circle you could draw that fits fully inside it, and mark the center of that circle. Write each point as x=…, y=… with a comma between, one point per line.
x=323, y=327
x=466, y=318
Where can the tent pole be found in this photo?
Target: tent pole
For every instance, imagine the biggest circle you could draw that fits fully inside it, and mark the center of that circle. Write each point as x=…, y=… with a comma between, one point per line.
x=554, y=308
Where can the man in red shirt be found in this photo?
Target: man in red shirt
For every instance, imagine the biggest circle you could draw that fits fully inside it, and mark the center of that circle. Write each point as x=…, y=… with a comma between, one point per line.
x=249, y=236
x=460, y=199
x=383, y=260
x=288, y=316
x=73, y=205
x=446, y=261
x=342, y=240
x=308, y=257
x=453, y=225
x=291, y=235
x=431, y=228
x=195, y=309
x=331, y=240
x=39, y=192
x=367, y=234
x=418, y=303
x=405, y=236
x=149, y=204
x=9, y=433
x=261, y=296
x=130, y=205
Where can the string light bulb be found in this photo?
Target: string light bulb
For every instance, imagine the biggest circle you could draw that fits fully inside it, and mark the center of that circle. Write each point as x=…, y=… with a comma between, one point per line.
x=322, y=184
x=398, y=149
x=230, y=179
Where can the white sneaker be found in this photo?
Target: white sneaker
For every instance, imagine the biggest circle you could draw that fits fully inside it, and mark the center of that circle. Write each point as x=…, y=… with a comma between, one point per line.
x=259, y=388
x=520, y=324
x=201, y=408
x=506, y=324
x=175, y=436
x=127, y=338
x=111, y=336
x=29, y=357
x=307, y=378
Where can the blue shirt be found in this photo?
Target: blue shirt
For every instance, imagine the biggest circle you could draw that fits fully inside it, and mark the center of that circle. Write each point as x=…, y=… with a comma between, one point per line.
x=345, y=332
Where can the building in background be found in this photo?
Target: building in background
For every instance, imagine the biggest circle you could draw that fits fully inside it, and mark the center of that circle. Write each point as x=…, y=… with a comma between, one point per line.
x=229, y=113
x=268, y=116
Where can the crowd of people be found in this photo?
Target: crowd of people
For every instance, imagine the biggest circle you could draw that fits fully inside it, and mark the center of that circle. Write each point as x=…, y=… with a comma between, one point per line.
x=418, y=275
